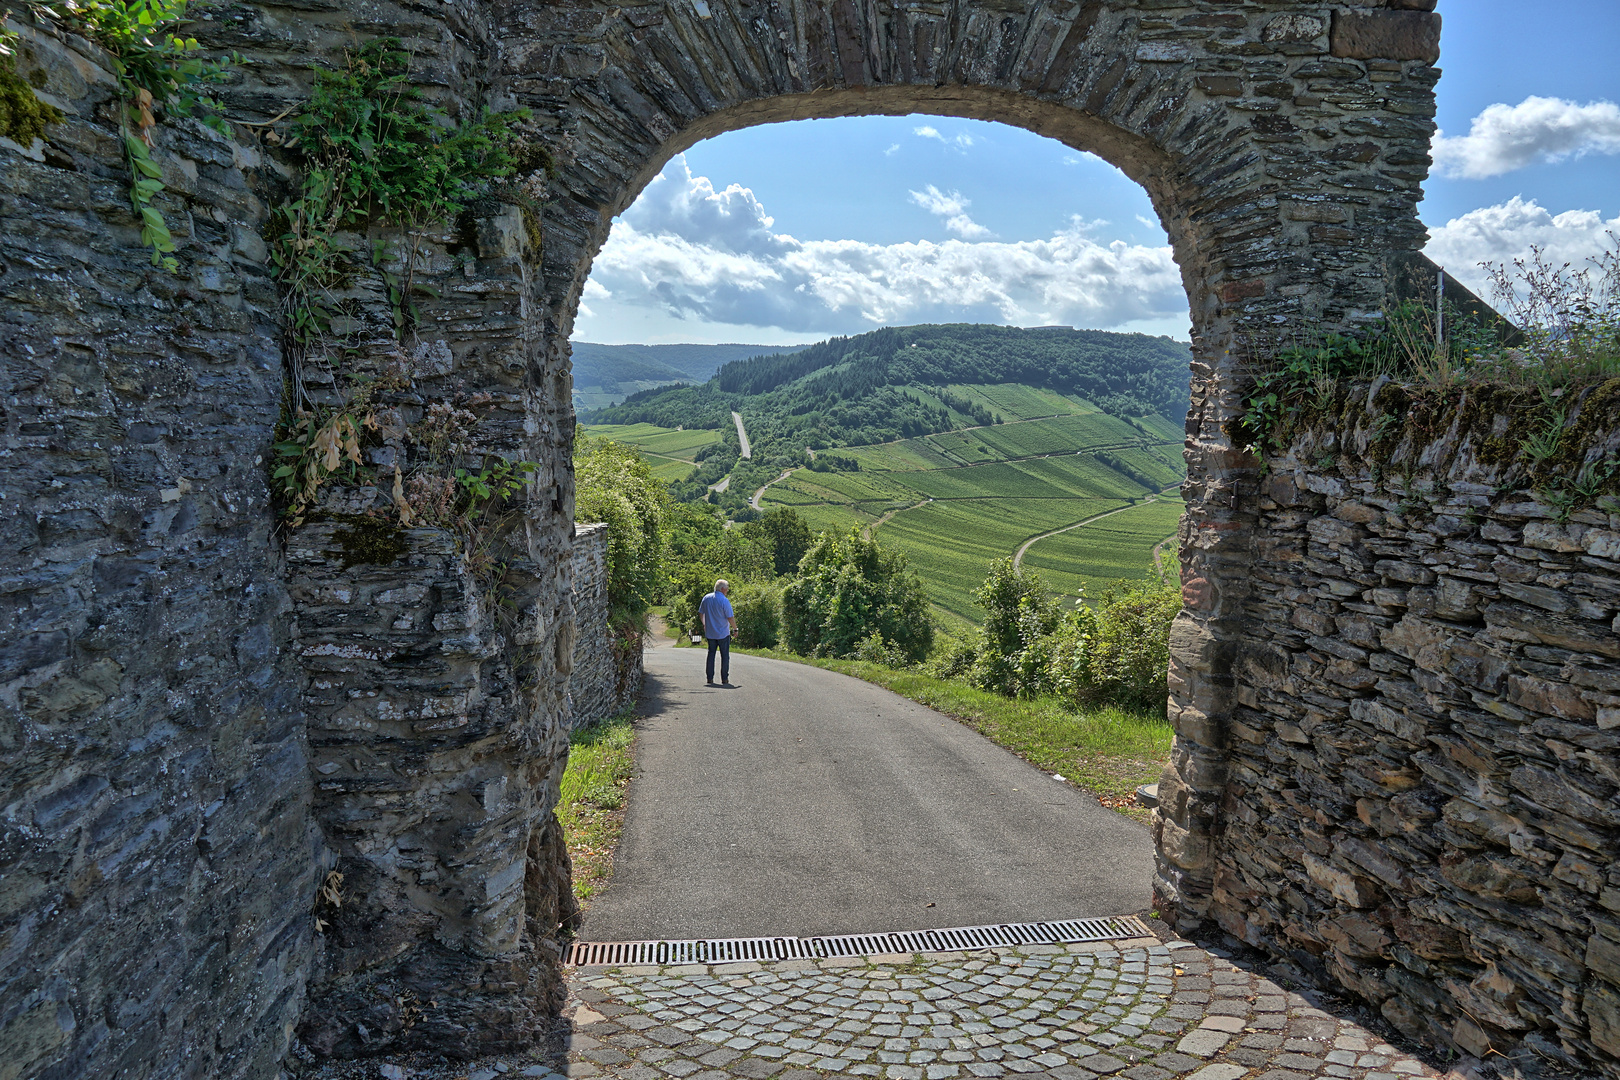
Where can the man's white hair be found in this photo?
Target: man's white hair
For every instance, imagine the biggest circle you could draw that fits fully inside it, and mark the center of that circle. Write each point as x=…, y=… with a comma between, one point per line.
x=721, y=584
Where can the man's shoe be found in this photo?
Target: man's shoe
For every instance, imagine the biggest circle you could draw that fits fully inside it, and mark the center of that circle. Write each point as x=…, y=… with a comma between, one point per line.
x=711, y=682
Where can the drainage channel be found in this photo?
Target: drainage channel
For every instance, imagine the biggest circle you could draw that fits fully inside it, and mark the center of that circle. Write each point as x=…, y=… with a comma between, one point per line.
x=952, y=939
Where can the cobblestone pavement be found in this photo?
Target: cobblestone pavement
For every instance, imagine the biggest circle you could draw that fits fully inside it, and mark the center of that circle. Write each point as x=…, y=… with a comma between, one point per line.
x=1140, y=1009
x=1137, y=1010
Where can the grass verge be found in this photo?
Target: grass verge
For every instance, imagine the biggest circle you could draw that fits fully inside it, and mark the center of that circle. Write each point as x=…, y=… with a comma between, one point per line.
x=591, y=807
x=1105, y=750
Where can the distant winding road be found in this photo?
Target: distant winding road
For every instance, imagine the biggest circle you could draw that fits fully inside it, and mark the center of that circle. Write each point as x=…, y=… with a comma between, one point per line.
x=1018, y=558
x=742, y=435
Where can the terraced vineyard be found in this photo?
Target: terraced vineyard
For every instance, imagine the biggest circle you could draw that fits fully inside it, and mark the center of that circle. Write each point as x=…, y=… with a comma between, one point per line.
x=955, y=501
x=670, y=451
x=1105, y=553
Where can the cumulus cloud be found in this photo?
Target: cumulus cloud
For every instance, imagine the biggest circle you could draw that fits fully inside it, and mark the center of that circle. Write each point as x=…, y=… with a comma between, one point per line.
x=1508, y=137
x=890, y=152
x=709, y=255
x=1499, y=234
x=953, y=208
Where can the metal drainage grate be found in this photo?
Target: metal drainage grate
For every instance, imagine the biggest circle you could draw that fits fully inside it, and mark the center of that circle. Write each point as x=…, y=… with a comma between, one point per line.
x=953, y=939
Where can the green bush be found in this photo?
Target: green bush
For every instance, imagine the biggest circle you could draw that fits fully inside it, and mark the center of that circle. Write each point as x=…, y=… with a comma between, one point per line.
x=759, y=615
x=1118, y=651
x=849, y=588
x=614, y=485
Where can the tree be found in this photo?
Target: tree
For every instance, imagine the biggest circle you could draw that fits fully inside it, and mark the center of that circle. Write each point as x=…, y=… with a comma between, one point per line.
x=849, y=587
x=789, y=534
x=613, y=484
x=1019, y=615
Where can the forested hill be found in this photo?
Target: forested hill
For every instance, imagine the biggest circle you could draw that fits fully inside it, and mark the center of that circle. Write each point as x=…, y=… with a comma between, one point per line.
x=894, y=383
x=609, y=365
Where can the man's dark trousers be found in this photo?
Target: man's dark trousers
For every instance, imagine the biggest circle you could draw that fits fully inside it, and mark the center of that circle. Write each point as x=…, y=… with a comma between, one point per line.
x=724, y=645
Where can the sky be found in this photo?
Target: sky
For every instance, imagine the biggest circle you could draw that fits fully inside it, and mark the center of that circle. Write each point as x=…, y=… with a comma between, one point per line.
x=789, y=233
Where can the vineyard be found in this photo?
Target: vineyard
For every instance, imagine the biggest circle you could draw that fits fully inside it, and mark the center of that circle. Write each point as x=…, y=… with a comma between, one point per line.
x=957, y=500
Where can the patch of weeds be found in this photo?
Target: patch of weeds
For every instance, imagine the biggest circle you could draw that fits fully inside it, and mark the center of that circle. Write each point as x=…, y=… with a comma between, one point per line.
x=591, y=805
x=1536, y=409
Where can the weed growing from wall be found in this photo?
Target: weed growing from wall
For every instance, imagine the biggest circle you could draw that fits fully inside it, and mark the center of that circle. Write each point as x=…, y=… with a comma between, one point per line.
x=373, y=152
x=157, y=71
x=1537, y=408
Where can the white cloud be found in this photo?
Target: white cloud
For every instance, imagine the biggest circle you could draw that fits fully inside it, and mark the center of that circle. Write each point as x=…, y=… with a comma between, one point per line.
x=953, y=208
x=699, y=254
x=928, y=131
x=1499, y=234
x=891, y=150
x=1508, y=137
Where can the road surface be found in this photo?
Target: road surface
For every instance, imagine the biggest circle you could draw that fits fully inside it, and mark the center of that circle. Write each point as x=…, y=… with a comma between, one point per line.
x=806, y=802
x=742, y=435
x=754, y=502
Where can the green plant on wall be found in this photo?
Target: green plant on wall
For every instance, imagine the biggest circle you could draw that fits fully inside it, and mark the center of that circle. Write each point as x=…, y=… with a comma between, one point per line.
x=23, y=116
x=157, y=71
x=1539, y=405
x=373, y=152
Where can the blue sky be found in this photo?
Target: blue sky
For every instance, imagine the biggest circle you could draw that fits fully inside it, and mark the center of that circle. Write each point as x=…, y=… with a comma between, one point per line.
x=789, y=233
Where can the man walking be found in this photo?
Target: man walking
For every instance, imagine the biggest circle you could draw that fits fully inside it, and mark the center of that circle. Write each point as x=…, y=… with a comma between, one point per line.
x=718, y=623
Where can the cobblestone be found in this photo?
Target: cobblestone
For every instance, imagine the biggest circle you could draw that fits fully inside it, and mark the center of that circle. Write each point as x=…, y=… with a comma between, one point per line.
x=1074, y=1014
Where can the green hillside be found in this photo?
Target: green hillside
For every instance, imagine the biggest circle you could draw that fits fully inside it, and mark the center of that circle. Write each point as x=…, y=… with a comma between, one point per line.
x=956, y=500
x=904, y=382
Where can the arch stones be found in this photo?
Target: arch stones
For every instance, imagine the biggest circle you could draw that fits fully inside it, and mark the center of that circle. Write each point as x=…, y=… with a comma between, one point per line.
x=1283, y=145
x=201, y=706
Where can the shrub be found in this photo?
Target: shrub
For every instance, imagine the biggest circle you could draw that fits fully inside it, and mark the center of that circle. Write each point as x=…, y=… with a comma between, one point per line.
x=614, y=485
x=874, y=650
x=1117, y=652
x=1019, y=613
x=759, y=615
x=850, y=587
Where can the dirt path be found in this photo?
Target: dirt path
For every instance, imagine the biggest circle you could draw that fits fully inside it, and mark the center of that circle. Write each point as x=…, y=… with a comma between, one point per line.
x=1018, y=558
x=867, y=532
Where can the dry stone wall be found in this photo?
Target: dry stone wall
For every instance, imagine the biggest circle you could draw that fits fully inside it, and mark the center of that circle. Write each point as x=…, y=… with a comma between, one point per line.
x=1422, y=795
x=157, y=855
x=607, y=668
x=203, y=716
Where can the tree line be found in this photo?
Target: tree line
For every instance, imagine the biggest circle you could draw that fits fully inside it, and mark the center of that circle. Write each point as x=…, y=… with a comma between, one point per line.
x=891, y=383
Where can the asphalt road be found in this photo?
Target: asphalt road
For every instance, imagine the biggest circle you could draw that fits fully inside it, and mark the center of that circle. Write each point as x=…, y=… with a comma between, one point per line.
x=806, y=802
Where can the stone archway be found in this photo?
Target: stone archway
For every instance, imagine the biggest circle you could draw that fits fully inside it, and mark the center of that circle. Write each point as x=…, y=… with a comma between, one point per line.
x=1283, y=146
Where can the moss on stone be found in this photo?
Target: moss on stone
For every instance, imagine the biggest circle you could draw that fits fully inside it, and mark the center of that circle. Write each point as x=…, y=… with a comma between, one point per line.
x=369, y=541
x=22, y=115
x=1494, y=419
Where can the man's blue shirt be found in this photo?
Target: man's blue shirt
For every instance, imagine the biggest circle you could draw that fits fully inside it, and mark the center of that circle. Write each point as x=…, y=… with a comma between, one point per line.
x=716, y=612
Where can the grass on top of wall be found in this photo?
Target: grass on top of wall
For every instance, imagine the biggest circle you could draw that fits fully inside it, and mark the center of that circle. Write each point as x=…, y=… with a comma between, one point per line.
x=1105, y=750
x=591, y=807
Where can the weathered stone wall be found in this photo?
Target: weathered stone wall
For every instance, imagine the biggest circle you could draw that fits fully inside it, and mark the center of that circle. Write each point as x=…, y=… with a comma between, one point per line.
x=163, y=838
x=607, y=674
x=1422, y=797
x=157, y=857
